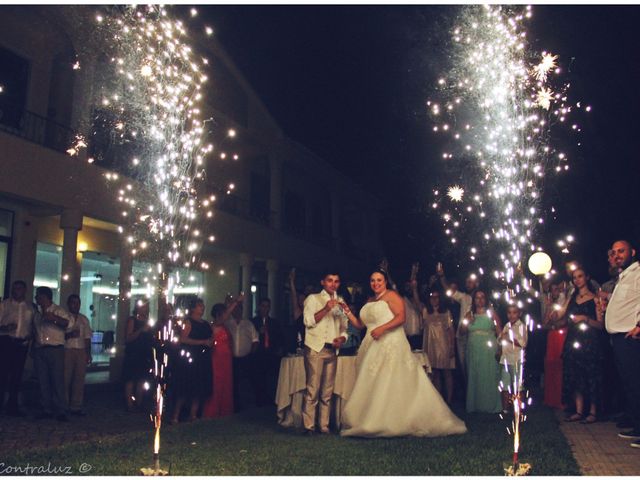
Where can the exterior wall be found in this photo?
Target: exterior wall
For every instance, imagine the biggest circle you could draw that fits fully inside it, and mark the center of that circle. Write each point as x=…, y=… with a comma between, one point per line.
x=66, y=201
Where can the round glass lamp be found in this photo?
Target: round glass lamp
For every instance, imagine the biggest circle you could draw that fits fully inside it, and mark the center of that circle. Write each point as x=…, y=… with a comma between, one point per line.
x=539, y=263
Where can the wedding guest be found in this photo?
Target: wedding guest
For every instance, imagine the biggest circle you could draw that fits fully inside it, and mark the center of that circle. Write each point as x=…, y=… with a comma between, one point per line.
x=613, y=393
x=614, y=273
x=220, y=403
x=50, y=326
x=354, y=335
x=513, y=341
x=582, y=354
x=245, y=341
x=16, y=322
x=138, y=356
x=623, y=325
x=193, y=379
x=438, y=339
x=296, y=312
x=268, y=355
x=77, y=355
x=439, y=343
x=556, y=337
x=413, y=322
x=464, y=299
x=483, y=372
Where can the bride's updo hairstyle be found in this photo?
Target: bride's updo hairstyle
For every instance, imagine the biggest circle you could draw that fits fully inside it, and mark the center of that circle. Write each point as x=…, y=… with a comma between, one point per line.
x=384, y=273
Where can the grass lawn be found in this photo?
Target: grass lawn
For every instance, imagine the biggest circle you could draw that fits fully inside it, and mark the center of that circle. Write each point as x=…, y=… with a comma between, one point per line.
x=253, y=444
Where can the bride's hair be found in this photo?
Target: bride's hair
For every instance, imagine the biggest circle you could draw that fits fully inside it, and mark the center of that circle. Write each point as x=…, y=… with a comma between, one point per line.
x=384, y=273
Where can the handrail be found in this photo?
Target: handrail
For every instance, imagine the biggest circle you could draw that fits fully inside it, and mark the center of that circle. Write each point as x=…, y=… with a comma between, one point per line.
x=35, y=128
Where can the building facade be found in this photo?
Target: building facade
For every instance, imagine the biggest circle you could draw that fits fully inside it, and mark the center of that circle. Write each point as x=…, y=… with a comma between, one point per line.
x=59, y=217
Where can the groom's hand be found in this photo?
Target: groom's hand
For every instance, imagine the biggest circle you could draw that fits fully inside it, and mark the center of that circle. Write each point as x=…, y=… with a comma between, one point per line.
x=330, y=304
x=338, y=342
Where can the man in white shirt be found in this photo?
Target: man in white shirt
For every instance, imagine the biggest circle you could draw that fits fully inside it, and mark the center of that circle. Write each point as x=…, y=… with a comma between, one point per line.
x=622, y=321
x=464, y=299
x=77, y=355
x=325, y=332
x=51, y=324
x=244, y=343
x=16, y=321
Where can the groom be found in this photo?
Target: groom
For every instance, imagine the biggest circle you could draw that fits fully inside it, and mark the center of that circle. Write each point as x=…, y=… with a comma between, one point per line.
x=325, y=332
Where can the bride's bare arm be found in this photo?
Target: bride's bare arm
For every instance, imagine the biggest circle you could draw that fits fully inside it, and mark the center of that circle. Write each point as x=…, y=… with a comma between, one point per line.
x=355, y=321
x=396, y=305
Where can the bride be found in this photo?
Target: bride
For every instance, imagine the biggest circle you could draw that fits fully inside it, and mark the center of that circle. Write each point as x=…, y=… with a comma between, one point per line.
x=392, y=395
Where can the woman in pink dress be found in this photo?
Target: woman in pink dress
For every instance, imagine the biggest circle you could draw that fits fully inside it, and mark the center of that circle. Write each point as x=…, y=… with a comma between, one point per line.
x=220, y=403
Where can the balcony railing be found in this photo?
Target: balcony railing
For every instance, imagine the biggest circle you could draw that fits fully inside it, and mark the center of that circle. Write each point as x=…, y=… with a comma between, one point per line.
x=35, y=128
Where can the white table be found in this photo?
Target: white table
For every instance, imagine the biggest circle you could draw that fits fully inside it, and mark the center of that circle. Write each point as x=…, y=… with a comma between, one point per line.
x=292, y=385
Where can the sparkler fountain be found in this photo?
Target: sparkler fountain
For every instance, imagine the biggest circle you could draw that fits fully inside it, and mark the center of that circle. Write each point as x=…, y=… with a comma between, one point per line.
x=499, y=102
x=151, y=97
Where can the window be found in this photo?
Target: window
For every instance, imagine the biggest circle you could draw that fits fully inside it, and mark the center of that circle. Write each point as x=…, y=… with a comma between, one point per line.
x=99, y=301
x=14, y=79
x=49, y=268
x=228, y=96
x=294, y=212
x=260, y=201
x=6, y=228
x=184, y=285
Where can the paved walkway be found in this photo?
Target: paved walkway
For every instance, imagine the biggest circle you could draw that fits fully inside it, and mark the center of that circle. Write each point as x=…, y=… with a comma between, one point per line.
x=598, y=449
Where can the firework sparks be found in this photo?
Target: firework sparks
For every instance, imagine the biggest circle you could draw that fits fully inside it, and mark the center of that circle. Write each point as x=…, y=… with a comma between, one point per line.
x=455, y=193
x=547, y=64
x=499, y=106
x=499, y=109
x=544, y=97
x=152, y=101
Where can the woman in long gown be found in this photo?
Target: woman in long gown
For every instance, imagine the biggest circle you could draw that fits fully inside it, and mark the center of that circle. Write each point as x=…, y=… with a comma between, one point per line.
x=582, y=355
x=392, y=396
x=193, y=375
x=220, y=403
x=483, y=371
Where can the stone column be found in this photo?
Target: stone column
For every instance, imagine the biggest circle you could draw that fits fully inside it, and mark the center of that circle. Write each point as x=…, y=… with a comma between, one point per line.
x=273, y=285
x=246, y=262
x=23, y=255
x=71, y=223
x=124, y=310
x=275, y=189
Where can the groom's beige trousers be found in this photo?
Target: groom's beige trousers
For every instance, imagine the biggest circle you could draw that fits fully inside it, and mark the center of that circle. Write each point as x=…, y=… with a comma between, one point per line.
x=320, y=368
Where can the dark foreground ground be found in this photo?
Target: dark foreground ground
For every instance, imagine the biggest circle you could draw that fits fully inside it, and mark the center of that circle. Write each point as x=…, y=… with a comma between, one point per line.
x=110, y=441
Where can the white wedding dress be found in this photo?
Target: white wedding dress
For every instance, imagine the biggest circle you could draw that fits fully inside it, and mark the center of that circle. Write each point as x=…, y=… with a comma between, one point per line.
x=392, y=395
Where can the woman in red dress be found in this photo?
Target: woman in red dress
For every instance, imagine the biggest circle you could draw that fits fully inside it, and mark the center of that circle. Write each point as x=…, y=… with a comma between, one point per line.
x=220, y=403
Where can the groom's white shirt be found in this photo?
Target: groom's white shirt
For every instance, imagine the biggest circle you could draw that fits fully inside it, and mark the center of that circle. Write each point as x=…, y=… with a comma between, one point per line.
x=332, y=325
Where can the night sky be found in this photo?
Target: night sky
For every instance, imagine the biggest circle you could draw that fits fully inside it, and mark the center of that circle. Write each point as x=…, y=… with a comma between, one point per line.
x=351, y=82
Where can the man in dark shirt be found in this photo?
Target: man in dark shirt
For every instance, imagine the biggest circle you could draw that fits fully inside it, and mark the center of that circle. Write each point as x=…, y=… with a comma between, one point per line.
x=267, y=357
